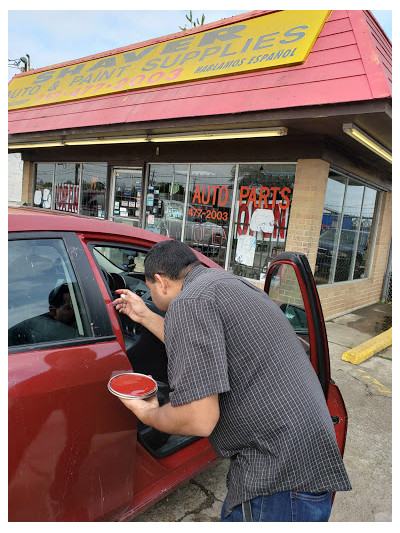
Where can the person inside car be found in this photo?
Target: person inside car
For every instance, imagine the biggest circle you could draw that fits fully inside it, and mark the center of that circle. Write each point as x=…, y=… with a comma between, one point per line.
x=60, y=306
x=239, y=375
x=58, y=323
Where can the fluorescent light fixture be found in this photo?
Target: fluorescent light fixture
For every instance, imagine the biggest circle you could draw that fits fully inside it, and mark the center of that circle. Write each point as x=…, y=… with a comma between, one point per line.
x=219, y=134
x=366, y=140
x=43, y=144
x=173, y=137
x=105, y=140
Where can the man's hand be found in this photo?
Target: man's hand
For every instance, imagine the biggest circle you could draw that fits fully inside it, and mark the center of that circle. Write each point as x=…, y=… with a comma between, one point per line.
x=139, y=407
x=132, y=305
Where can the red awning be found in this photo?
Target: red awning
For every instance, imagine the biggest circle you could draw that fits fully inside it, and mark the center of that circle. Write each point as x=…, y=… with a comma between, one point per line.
x=350, y=62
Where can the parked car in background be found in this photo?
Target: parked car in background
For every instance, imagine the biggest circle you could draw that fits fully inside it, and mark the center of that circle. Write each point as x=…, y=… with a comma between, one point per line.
x=75, y=452
x=346, y=248
x=205, y=235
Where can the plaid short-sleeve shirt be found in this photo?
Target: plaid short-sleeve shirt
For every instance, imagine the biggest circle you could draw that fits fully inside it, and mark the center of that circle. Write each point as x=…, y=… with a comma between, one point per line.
x=225, y=336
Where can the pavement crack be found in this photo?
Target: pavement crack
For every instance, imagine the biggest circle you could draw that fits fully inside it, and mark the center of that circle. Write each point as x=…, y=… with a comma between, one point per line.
x=369, y=388
x=383, y=357
x=340, y=344
x=208, y=502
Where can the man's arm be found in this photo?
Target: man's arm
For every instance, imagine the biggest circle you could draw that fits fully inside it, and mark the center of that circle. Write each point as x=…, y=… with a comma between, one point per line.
x=197, y=418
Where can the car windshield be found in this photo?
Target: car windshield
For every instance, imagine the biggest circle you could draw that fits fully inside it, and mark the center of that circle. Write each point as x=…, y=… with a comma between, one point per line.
x=348, y=236
x=117, y=260
x=328, y=235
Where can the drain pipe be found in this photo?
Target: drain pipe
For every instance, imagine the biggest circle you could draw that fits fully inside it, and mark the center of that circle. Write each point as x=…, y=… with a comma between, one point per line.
x=387, y=276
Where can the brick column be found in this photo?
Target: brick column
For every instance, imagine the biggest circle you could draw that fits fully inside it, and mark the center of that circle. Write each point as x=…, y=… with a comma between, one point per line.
x=382, y=243
x=27, y=182
x=307, y=207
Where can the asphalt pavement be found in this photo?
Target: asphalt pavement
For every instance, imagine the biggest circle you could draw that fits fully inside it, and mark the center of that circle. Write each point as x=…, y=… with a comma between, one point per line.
x=367, y=392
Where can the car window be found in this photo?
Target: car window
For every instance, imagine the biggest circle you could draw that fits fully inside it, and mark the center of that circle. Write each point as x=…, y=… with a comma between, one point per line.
x=348, y=237
x=285, y=291
x=328, y=235
x=45, y=303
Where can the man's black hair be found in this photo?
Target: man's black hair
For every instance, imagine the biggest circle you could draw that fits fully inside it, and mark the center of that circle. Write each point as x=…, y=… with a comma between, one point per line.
x=170, y=258
x=56, y=297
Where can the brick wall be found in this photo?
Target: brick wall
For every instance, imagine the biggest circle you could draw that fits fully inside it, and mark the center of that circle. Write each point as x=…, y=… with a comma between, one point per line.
x=307, y=207
x=27, y=183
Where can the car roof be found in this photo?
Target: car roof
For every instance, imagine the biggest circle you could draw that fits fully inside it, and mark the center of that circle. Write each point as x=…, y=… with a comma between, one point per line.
x=38, y=219
x=25, y=218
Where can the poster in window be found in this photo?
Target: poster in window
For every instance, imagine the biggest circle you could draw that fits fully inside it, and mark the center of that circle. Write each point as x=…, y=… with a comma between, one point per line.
x=262, y=220
x=245, y=250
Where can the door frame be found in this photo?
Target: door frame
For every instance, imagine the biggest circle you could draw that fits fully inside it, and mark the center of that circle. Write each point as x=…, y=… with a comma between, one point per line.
x=315, y=317
x=316, y=327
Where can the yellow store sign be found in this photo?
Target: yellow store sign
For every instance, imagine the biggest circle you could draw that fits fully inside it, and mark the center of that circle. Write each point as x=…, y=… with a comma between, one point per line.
x=279, y=39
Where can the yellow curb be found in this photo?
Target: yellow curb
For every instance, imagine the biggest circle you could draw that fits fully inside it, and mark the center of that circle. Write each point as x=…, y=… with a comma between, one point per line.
x=367, y=349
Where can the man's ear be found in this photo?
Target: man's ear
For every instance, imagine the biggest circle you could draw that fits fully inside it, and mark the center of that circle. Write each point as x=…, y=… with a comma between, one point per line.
x=162, y=282
x=52, y=311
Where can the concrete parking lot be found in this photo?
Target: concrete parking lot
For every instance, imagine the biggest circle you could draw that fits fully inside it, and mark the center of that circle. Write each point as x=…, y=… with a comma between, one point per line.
x=366, y=389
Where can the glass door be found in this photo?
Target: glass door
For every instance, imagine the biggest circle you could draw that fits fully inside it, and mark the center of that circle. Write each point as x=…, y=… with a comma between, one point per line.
x=165, y=199
x=126, y=197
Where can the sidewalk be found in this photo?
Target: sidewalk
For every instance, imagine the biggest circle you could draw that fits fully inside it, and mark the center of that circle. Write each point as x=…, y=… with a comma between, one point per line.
x=366, y=389
x=367, y=392
x=362, y=326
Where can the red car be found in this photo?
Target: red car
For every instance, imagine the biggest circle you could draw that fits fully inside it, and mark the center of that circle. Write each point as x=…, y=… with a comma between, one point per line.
x=75, y=452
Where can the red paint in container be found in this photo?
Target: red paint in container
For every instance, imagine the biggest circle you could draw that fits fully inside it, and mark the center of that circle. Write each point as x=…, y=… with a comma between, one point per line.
x=132, y=386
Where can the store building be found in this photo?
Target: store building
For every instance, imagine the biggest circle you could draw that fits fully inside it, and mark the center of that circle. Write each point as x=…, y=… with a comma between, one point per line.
x=266, y=131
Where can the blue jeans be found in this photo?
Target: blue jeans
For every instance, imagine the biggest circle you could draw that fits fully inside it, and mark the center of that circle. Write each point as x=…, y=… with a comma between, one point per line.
x=288, y=506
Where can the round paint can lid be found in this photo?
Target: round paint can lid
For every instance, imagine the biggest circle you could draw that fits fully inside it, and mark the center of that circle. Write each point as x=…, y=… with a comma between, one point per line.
x=132, y=386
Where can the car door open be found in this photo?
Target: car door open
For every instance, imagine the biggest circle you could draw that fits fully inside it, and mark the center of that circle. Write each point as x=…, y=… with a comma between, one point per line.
x=290, y=283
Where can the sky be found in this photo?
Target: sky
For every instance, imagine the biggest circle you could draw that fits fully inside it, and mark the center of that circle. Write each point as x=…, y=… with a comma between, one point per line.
x=53, y=36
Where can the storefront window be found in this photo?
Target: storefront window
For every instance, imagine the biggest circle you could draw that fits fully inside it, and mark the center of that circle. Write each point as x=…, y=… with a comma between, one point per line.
x=66, y=181
x=165, y=199
x=344, y=248
x=42, y=196
x=93, y=193
x=208, y=210
x=244, y=244
x=262, y=206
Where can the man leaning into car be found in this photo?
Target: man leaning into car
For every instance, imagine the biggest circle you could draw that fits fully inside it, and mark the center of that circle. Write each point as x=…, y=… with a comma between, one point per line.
x=239, y=376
